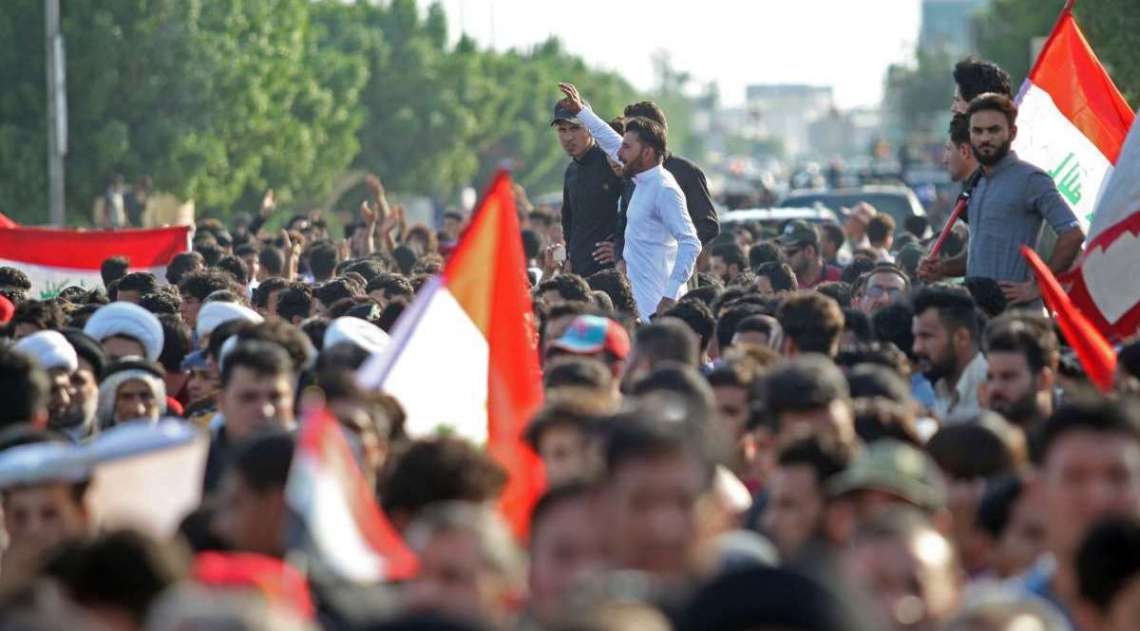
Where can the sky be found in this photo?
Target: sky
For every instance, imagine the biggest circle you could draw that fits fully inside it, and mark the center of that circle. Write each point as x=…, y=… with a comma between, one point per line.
x=847, y=44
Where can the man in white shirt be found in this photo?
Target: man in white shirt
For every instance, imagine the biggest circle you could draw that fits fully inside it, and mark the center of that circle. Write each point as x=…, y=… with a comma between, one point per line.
x=661, y=243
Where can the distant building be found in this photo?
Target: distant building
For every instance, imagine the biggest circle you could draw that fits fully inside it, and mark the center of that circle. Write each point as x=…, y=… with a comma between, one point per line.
x=946, y=25
x=787, y=110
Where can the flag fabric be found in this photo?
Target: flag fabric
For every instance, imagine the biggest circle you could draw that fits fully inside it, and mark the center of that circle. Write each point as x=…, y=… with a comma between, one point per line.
x=1072, y=120
x=6, y=222
x=341, y=524
x=463, y=356
x=54, y=259
x=1093, y=350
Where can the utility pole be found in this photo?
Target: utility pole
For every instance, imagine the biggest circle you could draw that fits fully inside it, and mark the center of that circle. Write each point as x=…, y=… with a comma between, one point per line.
x=56, y=111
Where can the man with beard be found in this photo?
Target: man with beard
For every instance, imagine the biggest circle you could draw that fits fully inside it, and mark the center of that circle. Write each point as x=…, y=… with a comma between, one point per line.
x=946, y=330
x=590, y=193
x=800, y=242
x=957, y=154
x=1022, y=354
x=1010, y=202
x=661, y=244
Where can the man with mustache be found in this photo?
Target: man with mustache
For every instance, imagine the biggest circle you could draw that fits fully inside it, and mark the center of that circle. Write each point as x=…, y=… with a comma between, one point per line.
x=1010, y=202
x=946, y=330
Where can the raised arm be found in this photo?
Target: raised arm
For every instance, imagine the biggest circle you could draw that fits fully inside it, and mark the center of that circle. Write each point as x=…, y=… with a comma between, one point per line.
x=607, y=138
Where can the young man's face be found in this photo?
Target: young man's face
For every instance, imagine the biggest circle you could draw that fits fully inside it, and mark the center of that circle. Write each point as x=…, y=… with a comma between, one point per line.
x=254, y=266
x=84, y=394
x=957, y=160
x=718, y=268
x=795, y=506
x=43, y=516
x=189, y=310
x=881, y=291
x=203, y=384
x=1023, y=540
x=1087, y=476
x=135, y=400
x=990, y=136
x=763, y=286
x=732, y=407
x=247, y=520
x=933, y=346
x=565, y=545
x=1012, y=387
x=635, y=155
x=1124, y=610
x=575, y=139
x=651, y=509
x=252, y=400
x=118, y=347
x=834, y=419
x=564, y=450
x=61, y=396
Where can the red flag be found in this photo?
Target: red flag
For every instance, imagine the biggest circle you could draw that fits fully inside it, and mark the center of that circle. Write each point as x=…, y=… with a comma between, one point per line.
x=343, y=525
x=6, y=222
x=1093, y=350
x=463, y=356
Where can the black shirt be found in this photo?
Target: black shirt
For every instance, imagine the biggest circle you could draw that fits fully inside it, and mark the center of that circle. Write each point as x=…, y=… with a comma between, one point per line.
x=590, y=195
x=696, y=189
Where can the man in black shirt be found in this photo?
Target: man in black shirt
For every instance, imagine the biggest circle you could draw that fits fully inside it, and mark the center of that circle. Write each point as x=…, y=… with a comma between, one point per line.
x=590, y=195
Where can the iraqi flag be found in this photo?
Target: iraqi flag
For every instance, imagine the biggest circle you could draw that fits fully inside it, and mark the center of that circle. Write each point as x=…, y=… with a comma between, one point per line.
x=342, y=527
x=463, y=356
x=1072, y=120
x=55, y=259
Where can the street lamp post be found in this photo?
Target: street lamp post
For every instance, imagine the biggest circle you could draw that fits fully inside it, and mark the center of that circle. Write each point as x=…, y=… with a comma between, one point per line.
x=56, y=111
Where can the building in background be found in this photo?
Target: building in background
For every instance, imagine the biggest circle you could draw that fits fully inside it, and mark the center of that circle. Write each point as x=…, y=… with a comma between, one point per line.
x=786, y=111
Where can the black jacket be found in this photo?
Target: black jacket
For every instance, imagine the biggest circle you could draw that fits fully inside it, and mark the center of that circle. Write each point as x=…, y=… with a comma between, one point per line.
x=590, y=194
x=696, y=189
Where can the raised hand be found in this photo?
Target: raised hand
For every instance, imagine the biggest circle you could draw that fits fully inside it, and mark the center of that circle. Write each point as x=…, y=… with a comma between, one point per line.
x=573, y=101
x=268, y=203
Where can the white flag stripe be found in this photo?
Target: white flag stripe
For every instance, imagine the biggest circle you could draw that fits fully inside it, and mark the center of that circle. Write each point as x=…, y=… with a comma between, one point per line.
x=47, y=280
x=1121, y=196
x=1048, y=139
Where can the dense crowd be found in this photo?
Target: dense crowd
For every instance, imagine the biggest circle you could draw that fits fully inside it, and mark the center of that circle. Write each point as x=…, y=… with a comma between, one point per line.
x=810, y=426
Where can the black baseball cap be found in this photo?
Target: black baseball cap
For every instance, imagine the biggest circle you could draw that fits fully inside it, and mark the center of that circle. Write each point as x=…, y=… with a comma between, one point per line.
x=798, y=233
x=563, y=114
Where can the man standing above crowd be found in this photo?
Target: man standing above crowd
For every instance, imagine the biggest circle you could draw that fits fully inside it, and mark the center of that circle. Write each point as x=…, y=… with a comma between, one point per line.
x=590, y=194
x=661, y=244
x=1009, y=203
x=957, y=154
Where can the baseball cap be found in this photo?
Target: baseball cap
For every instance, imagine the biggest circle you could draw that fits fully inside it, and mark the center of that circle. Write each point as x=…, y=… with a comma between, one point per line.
x=798, y=232
x=563, y=114
x=590, y=334
x=897, y=468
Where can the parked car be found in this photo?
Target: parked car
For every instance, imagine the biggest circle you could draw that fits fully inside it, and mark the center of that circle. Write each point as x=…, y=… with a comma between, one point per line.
x=771, y=220
x=899, y=202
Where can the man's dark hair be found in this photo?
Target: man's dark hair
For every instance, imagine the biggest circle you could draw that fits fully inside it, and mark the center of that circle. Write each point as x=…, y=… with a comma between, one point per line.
x=142, y=282
x=263, y=460
x=16, y=279
x=991, y=102
x=263, y=358
x=236, y=268
x=1038, y=344
x=779, y=275
x=699, y=318
x=858, y=324
x=391, y=285
x=968, y=451
x=879, y=418
x=894, y=323
x=42, y=314
x=987, y=294
x=161, y=302
x=812, y=321
x=572, y=370
x=762, y=323
x=221, y=333
x=641, y=434
x=707, y=294
x=272, y=260
x=732, y=254
x=176, y=342
x=283, y=335
x=266, y=288
x=838, y=291
x=202, y=283
x=825, y=457
x=617, y=287
x=247, y=249
x=667, y=339
x=833, y=232
x=112, y=269
x=876, y=354
x=1091, y=413
x=764, y=252
x=24, y=388
x=532, y=244
x=807, y=382
x=995, y=509
x=960, y=130
x=646, y=109
x=391, y=313
x=569, y=286
x=977, y=76
x=405, y=258
x=1108, y=560
x=855, y=269
x=332, y=291
x=121, y=570
x=731, y=318
x=582, y=414
x=956, y=308
x=211, y=252
x=880, y=227
x=684, y=384
x=649, y=132
x=438, y=470
x=322, y=257
x=554, y=497
x=368, y=268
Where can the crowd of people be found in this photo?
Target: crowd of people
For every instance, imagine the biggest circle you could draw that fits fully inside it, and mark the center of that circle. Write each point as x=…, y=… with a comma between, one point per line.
x=817, y=428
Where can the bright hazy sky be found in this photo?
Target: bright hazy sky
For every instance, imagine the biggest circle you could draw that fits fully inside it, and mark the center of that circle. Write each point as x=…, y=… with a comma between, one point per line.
x=844, y=43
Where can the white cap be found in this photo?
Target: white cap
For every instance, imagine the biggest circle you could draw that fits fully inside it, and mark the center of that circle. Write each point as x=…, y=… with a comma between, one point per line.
x=50, y=349
x=214, y=314
x=357, y=331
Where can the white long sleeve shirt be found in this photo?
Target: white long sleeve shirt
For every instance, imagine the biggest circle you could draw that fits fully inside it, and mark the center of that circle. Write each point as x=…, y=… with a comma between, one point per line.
x=661, y=244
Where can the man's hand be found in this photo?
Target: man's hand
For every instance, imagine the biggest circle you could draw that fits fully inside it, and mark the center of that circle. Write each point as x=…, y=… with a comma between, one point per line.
x=930, y=270
x=604, y=252
x=268, y=204
x=372, y=181
x=367, y=215
x=665, y=305
x=573, y=100
x=1018, y=293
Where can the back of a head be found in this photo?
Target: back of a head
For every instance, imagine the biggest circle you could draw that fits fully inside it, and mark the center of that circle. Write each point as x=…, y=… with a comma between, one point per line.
x=881, y=226
x=812, y=322
x=24, y=389
x=264, y=359
x=731, y=318
x=438, y=470
x=780, y=276
x=323, y=258
x=647, y=109
x=576, y=372
x=698, y=317
x=675, y=381
x=1108, y=561
x=647, y=432
x=263, y=461
x=871, y=380
x=808, y=382
x=968, y=451
x=113, y=269
x=977, y=76
x=1092, y=413
x=667, y=340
